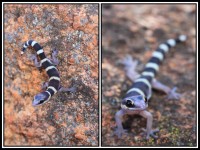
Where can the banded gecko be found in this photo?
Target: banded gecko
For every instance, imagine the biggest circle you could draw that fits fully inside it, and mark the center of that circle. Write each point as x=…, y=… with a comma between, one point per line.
x=53, y=86
x=137, y=97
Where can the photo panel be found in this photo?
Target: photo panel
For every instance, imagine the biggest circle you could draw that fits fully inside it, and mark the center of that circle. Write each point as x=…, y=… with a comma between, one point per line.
x=51, y=54
x=147, y=47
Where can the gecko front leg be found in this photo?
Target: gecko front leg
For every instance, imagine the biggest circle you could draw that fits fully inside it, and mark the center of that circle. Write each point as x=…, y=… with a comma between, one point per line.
x=45, y=85
x=61, y=89
x=35, y=60
x=149, y=131
x=118, y=118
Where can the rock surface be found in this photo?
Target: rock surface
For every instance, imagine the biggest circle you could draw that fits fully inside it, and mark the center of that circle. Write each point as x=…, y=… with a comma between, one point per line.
x=137, y=30
x=68, y=119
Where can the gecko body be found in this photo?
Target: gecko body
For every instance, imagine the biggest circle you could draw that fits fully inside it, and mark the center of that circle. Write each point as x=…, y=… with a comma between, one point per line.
x=137, y=97
x=53, y=86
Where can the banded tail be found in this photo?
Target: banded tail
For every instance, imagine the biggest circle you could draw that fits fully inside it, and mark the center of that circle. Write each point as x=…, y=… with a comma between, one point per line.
x=36, y=46
x=152, y=67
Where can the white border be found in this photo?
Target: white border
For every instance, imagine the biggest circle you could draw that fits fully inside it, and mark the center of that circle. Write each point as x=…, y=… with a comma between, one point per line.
x=100, y=116
x=100, y=3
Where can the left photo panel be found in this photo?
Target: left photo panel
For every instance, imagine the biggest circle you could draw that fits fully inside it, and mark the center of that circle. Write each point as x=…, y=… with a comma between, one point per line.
x=51, y=91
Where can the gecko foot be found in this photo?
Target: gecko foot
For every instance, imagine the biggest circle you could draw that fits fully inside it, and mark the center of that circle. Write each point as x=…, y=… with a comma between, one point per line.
x=33, y=57
x=130, y=67
x=120, y=132
x=55, y=52
x=173, y=95
x=44, y=85
x=151, y=133
x=54, y=58
x=129, y=62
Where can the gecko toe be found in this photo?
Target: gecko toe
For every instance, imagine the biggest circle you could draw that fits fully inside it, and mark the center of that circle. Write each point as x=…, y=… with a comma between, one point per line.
x=33, y=57
x=151, y=133
x=173, y=94
x=120, y=132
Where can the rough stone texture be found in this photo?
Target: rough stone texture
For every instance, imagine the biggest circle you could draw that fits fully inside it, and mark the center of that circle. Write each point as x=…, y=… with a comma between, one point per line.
x=67, y=119
x=137, y=30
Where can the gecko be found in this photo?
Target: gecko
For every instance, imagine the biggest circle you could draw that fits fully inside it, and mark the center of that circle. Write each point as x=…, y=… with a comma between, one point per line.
x=137, y=97
x=53, y=86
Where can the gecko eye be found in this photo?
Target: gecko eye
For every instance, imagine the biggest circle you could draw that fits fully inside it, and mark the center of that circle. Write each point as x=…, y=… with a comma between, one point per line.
x=145, y=100
x=129, y=103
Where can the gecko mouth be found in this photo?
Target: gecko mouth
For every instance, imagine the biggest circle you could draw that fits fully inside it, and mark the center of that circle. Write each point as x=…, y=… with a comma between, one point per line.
x=131, y=105
x=133, y=108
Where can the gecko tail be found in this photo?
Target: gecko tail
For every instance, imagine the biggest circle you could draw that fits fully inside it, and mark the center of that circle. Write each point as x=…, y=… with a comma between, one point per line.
x=152, y=66
x=25, y=46
x=36, y=46
x=181, y=38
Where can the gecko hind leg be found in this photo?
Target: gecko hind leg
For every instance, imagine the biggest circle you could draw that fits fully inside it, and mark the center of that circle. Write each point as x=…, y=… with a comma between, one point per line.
x=37, y=64
x=171, y=93
x=54, y=58
x=71, y=89
x=61, y=89
x=130, y=66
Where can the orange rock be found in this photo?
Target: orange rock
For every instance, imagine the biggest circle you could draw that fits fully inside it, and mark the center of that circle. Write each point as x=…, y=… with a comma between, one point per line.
x=90, y=28
x=79, y=118
x=79, y=132
x=95, y=40
x=50, y=130
x=31, y=132
x=108, y=93
x=23, y=122
x=64, y=124
x=25, y=37
x=76, y=23
x=10, y=119
x=71, y=61
x=96, y=97
x=90, y=46
x=15, y=95
x=94, y=64
x=22, y=66
x=94, y=73
x=94, y=19
x=56, y=116
x=80, y=136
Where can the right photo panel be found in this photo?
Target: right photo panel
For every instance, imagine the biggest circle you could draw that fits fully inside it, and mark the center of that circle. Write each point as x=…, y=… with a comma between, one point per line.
x=149, y=75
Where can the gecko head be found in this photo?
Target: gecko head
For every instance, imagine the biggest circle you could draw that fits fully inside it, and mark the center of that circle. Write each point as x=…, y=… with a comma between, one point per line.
x=40, y=98
x=134, y=103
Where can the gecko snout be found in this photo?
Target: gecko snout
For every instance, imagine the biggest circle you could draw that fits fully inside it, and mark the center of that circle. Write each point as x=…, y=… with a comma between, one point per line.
x=40, y=98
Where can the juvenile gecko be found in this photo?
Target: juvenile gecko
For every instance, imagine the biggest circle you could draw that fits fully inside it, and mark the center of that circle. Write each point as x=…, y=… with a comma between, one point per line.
x=137, y=97
x=53, y=86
